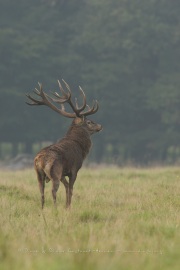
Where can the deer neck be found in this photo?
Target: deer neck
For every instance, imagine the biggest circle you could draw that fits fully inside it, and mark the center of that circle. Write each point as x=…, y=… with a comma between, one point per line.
x=81, y=137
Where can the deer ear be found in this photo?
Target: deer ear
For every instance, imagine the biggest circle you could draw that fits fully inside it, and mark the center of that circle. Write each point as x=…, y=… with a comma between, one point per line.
x=79, y=121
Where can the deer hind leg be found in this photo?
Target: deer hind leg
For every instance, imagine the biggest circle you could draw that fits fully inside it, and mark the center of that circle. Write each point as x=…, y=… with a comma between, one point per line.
x=72, y=179
x=55, y=186
x=66, y=184
x=55, y=176
x=41, y=180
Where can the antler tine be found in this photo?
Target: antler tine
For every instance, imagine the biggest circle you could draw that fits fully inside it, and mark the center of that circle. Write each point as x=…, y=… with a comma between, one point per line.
x=88, y=107
x=55, y=94
x=77, y=106
x=35, y=101
x=84, y=99
x=58, y=98
x=68, y=88
x=40, y=86
x=36, y=91
x=96, y=106
x=92, y=110
x=41, y=93
x=80, y=109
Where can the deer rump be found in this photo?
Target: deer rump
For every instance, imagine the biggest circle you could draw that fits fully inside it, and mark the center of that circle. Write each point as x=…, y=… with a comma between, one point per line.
x=59, y=160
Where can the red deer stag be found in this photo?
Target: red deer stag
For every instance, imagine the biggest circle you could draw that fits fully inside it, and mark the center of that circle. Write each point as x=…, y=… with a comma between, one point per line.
x=65, y=157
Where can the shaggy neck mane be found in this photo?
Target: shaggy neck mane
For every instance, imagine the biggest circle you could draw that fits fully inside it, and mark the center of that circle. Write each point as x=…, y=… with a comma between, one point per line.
x=79, y=135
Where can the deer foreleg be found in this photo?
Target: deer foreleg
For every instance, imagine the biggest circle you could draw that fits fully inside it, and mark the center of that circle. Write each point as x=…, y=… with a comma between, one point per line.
x=66, y=184
x=72, y=179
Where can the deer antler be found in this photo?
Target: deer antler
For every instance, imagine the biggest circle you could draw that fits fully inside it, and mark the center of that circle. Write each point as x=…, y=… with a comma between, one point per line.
x=45, y=101
x=66, y=97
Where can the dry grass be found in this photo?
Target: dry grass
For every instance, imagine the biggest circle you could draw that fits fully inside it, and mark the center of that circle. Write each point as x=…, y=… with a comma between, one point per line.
x=120, y=219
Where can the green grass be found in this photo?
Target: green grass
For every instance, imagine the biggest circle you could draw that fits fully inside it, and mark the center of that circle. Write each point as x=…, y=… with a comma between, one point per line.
x=120, y=219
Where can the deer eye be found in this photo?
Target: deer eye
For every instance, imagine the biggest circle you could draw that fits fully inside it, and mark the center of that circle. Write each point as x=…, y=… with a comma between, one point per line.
x=88, y=122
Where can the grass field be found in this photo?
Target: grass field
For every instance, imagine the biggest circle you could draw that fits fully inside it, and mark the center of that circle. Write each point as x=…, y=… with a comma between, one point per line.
x=120, y=219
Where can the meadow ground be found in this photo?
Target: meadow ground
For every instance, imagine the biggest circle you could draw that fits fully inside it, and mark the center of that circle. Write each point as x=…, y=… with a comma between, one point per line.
x=120, y=219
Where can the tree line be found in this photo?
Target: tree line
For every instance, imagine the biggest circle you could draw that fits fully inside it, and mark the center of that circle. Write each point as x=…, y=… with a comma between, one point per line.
x=123, y=53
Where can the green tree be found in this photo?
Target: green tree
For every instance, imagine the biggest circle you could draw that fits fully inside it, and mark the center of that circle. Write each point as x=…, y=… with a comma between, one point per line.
x=124, y=53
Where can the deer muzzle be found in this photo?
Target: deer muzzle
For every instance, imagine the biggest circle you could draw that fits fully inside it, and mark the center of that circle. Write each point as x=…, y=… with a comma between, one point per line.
x=99, y=128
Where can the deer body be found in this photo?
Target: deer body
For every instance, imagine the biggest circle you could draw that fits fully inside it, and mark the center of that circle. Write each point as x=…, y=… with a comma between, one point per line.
x=64, y=158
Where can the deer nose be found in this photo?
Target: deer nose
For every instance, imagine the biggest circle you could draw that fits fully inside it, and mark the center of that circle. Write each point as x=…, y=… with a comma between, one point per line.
x=100, y=127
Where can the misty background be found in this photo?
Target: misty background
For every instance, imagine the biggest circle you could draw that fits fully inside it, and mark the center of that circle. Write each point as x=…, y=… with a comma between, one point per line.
x=124, y=53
